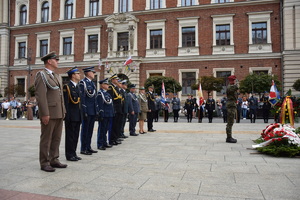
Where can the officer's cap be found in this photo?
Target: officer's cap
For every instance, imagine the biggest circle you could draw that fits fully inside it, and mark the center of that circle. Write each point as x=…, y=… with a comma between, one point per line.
x=74, y=70
x=232, y=77
x=104, y=81
x=132, y=86
x=142, y=88
x=51, y=55
x=89, y=69
x=124, y=82
x=114, y=77
x=151, y=86
x=155, y=94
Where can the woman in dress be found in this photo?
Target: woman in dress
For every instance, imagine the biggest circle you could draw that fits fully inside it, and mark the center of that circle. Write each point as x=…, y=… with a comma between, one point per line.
x=29, y=106
x=143, y=109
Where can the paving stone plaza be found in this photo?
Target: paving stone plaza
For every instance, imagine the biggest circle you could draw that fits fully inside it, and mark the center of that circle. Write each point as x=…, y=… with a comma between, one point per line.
x=180, y=161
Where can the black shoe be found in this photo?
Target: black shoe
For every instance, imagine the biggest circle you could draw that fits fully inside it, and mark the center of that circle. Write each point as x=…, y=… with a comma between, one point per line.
x=124, y=136
x=115, y=143
x=151, y=130
x=231, y=140
x=102, y=148
x=108, y=146
x=120, y=140
x=86, y=152
x=78, y=158
x=133, y=134
x=72, y=159
x=92, y=151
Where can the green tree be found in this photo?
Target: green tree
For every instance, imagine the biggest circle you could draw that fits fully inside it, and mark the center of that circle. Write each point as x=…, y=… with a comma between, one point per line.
x=171, y=84
x=258, y=83
x=296, y=85
x=31, y=91
x=209, y=83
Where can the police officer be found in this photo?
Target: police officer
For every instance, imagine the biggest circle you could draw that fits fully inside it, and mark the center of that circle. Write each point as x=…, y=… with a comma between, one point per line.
x=239, y=109
x=105, y=112
x=231, y=107
x=224, y=109
x=175, y=106
x=157, y=107
x=189, y=107
x=266, y=106
x=166, y=107
x=88, y=105
x=123, y=88
x=133, y=110
x=210, y=107
x=151, y=107
x=73, y=114
x=253, y=105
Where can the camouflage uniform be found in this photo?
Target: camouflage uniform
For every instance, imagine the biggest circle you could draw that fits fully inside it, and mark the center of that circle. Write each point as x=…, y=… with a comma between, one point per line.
x=231, y=108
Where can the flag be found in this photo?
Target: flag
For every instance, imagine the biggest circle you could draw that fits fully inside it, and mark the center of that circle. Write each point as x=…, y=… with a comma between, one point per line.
x=163, y=93
x=106, y=64
x=128, y=61
x=200, y=99
x=100, y=63
x=274, y=94
x=127, y=68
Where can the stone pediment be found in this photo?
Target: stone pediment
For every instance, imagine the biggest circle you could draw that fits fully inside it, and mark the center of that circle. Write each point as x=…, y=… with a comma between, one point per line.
x=121, y=18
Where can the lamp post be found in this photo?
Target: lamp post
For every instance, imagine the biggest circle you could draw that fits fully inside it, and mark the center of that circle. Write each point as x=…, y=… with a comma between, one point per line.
x=29, y=54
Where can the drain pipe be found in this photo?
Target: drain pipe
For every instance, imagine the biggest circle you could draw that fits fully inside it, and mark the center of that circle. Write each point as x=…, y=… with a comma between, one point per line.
x=282, y=46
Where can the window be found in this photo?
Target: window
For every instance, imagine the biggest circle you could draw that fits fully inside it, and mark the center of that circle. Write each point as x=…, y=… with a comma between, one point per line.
x=45, y=12
x=188, y=79
x=123, y=41
x=20, y=89
x=68, y=9
x=259, y=33
x=94, y=5
x=22, y=50
x=188, y=36
x=123, y=6
x=93, y=43
x=156, y=39
x=43, y=47
x=23, y=15
x=224, y=75
x=155, y=4
x=223, y=34
x=188, y=2
x=260, y=70
x=67, y=46
x=222, y=1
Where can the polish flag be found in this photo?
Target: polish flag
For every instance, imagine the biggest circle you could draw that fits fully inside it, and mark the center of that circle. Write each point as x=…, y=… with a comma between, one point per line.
x=274, y=94
x=200, y=99
x=128, y=61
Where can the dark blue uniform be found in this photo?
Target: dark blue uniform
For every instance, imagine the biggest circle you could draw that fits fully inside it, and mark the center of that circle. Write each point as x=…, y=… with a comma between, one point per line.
x=105, y=110
x=253, y=106
x=151, y=106
x=88, y=106
x=210, y=106
x=133, y=106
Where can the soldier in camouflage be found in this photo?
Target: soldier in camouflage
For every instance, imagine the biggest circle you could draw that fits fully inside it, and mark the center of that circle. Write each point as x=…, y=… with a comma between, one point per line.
x=231, y=107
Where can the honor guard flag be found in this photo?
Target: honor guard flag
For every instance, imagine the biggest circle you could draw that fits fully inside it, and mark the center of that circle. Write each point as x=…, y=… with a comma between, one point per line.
x=163, y=93
x=274, y=94
x=128, y=61
x=200, y=99
x=100, y=63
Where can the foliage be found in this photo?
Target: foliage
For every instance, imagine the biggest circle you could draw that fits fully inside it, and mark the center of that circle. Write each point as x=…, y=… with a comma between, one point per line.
x=14, y=90
x=258, y=140
x=209, y=83
x=170, y=84
x=258, y=83
x=280, y=149
x=31, y=91
x=296, y=85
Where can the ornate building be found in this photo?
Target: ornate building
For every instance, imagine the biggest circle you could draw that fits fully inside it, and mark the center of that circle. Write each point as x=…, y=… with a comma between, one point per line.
x=184, y=39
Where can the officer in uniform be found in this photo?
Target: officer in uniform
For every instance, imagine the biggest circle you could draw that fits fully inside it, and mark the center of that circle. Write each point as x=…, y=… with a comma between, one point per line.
x=175, y=106
x=48, y=93
x=151, y=107
x=166, y=108
x=224, y=109
x=157, y=107
x=73, y=115
x=210, y=107
x=231, y=107
x=253, y=105
x=238, y=109
x=114, y=92
x=123, y=87
x=189, y=107
x=88, y=105
x=105, y=112
x=133, y=110
x=266, y=106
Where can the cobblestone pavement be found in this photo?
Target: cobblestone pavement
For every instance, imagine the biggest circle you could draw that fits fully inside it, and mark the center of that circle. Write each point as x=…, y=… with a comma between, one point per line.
x=179, y=161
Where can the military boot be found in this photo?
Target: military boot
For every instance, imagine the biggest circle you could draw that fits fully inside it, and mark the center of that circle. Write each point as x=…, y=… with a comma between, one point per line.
x=231, y=140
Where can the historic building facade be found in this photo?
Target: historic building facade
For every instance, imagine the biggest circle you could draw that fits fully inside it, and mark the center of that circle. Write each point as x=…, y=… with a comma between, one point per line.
x=183, y=39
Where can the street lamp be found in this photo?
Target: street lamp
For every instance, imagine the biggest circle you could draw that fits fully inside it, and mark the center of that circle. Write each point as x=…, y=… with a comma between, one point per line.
x=29, y=54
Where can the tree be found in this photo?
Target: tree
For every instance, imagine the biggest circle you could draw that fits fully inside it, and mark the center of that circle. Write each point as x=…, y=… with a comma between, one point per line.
x=209, y=83
x=258, y=83
x=14, y=90
x=31, y=91
x=296, y=85
x=171, y=84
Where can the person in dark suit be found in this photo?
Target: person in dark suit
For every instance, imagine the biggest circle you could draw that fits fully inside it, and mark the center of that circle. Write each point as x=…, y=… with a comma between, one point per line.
x=157, y=107
x=73, y=115
x=123, y=88
x=114, y=92
x=48, y=93
x=266, y=106
x=239, y=109
x=189, y=107
x=151, y=107
x=210, y=107
x=166, y=108
x=224, y=109
x=175, y=106
x=105, y=112
x=253, y=106
x=88, y=105
x=133, y=110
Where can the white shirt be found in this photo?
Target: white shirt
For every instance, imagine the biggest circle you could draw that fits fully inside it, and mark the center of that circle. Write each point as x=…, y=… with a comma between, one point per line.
x=5, y=105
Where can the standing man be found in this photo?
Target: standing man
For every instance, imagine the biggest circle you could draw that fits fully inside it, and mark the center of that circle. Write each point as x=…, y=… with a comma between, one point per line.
x=14, y=108
x=73, y=115
x=5, y=107
x=105, y=111
x=166, y=108
x=238, y=109
x=266, y=106
x=114, y=92
x=48, y=93
x=189, y=107
x=231, y=107
x=133, y=110
x=151, y=107
x=87, y=90
x=123, y=88
x=224, y=108
x=157, y=107
x=175, y=106
x=253, y=105
x=210, y=107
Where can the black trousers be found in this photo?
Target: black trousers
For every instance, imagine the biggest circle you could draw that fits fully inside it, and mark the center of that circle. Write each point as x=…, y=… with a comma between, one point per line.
x=72, y=129
x=156, y=115
x=200, y=115
x=238, y=115
x=87, y=130
x=150, y=116
x=116, y=127
x=176, y=115
x=166, y=115
x=132, y=123
x=5, y=113
x=266, y=113
x=189, y=115
x=252, y=115
x=123, y=124
x=224, y=111
x=210, y=115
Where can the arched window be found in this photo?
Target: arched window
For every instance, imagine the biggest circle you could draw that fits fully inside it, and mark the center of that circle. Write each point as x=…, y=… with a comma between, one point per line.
x=45, y=12
x=68, y=9
x=23, y=15
x=94, y=5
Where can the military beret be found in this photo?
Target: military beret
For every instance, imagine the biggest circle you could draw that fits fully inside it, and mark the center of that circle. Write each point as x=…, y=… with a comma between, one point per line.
x=104, y=81
x=232, y=77
x=88, y=69
x=51, y=55
x=73, y=71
